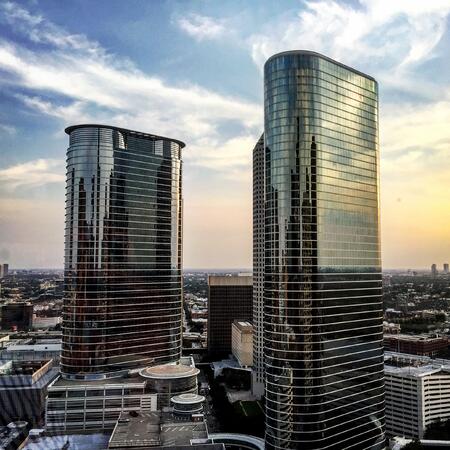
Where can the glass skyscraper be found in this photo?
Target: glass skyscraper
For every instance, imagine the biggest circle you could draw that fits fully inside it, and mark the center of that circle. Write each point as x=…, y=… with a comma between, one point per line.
x=322, y=269
x=123, y=252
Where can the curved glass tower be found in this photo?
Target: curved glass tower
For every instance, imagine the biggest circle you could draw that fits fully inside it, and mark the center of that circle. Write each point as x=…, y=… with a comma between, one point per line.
x=322, y=272
x=123, y=256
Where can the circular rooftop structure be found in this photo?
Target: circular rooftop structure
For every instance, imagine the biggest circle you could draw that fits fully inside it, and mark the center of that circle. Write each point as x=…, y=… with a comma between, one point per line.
x=188, y=399
x=169, y=372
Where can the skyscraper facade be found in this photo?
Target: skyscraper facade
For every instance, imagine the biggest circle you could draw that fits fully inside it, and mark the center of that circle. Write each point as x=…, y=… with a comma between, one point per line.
x=123, y=252
x=322, y=271
x=229, y=298
x=258, y=267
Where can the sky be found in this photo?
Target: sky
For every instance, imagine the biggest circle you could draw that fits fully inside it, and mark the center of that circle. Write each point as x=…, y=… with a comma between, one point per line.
x=192, y=70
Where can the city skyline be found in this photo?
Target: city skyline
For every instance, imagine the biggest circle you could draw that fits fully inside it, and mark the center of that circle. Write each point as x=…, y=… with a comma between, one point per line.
x=141, y=66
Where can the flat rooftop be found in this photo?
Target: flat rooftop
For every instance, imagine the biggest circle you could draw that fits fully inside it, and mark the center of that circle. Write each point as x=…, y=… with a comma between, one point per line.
x=413, y=338
x=413, y=365
x=156, y=429
x=243, y=325
x=169, y=371
x=76, y=441
x=233, y=280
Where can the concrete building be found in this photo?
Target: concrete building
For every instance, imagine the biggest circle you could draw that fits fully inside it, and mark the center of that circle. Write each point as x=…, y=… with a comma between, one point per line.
x=168, y=380
x=97, y=404
x=186, y=405
x=160, y=431
x=242, y=342
x=74, y=407
x=422, y=345
x=23, y=389
x=417, y=393
x=16, y=316
x=445, y=267
x=229, y=298
x=31, y=349
x=258, y=268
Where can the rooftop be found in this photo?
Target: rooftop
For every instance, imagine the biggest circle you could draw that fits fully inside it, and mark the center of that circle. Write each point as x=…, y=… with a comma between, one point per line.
x=140, y=134
x=414, y=365
x=76, y=441
x=169, y=371
x=243, y=325
x=188, y=399
x=232, y=280
x=319, y=55
x=413, y=338
x=156, y=429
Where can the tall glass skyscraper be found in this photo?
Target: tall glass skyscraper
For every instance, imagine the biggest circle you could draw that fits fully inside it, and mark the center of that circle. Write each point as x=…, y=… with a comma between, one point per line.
x=123, y=252
x=322, y=272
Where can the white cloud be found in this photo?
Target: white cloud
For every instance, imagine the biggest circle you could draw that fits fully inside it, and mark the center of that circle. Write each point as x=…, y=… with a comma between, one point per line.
x=202, y=27
x=32, y=174
x=78, y=81
x=40, y=30
x=7, y=129
x=394, y=34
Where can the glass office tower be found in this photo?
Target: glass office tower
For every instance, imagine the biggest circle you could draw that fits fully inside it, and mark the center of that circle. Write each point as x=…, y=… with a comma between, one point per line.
x=123, y=280
x=322, y=272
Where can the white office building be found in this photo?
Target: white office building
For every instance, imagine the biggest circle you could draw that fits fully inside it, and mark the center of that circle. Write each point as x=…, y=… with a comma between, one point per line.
x=417, y=393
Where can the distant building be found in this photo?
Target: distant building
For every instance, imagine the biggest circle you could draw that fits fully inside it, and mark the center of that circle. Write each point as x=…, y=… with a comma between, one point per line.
x=445, y=267
x=42, y=323
x=16, y=316
x=242, y=342
x=32, y=349
x=434, y=270
x=391, y=328
x=230, y=298
x=4, y=270
x=417, y=393
x=23, y=389
x=422, y=345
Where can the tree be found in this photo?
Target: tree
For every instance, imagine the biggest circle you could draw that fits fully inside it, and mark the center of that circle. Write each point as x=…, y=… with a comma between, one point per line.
x=439, y=430
x=413, y=445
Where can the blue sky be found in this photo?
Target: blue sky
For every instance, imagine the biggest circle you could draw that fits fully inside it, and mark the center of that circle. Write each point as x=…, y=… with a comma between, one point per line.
x=193, y=70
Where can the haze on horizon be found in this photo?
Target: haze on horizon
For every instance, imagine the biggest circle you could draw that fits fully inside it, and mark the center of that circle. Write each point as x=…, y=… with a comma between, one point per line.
x=193, y=71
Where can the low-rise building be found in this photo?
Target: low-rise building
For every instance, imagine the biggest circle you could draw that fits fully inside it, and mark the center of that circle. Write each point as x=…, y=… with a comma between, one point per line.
x=23, y=389
x=242, y=342
x=16, y=316
x=74, y=405
x=160, y=430
x=422, y=345
x=417, y=393
x=31, y=349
